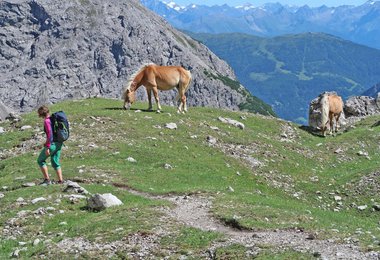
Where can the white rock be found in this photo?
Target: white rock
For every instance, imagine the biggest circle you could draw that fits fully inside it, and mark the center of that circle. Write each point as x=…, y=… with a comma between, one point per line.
x=362, y=153
x=34, y=201
x=211, y=139
x=168, y=166
x=171, y=126
x=1, y=195
x=363, y=207
x=2, y=130
x=232, y=122
x=63, y=223
x=16, y=253
x=337, y=198
x=23, y=213
x=102, y=201
x=231, y=189
x=130, y=159
x=29, y=184
x=36, y=242
x=25, y=127
x=20, y=199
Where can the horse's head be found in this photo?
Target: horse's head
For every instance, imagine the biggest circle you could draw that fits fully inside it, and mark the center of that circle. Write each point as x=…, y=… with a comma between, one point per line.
x=129, y=98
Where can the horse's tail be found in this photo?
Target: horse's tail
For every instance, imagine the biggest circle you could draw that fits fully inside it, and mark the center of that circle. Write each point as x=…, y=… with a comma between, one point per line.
x=188, y=83
x=325, y=107
x=188, y=75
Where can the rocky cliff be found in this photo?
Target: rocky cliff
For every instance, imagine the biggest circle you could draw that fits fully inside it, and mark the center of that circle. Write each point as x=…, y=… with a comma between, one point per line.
x=53, y=50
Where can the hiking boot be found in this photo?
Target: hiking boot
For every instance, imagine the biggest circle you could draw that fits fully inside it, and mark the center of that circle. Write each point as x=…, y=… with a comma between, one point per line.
x=46, y=182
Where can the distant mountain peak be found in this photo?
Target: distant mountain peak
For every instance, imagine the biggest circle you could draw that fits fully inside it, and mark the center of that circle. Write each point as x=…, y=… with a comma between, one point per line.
x=245, y=7
x=173, y=5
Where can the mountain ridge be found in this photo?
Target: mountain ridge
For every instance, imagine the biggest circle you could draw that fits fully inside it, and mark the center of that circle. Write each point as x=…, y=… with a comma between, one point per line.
x=356, y=23
x=289, y=71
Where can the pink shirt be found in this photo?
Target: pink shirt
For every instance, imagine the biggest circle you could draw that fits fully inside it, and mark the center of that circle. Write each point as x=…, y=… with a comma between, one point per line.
x=48, y=132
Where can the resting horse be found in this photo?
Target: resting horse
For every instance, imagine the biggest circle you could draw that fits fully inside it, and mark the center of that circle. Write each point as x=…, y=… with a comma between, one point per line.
x=155, y=78
x=331, y=107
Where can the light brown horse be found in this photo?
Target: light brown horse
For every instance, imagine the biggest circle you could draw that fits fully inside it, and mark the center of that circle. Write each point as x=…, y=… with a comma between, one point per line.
x=331, y=107
x=154, y=78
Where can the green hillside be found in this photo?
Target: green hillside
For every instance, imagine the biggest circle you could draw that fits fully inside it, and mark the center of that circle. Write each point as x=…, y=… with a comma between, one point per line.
x=289, y=71
x=272, y=176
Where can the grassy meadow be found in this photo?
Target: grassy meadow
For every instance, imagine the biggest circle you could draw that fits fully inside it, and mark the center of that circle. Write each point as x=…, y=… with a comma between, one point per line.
x=295, y=184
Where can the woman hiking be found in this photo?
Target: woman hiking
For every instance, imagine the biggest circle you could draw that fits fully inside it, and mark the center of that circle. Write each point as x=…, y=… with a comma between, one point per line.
x=51, y=148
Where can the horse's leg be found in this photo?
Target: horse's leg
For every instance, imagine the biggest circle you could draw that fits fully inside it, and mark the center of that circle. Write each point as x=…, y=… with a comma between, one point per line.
x=182, y=104
x=183, y=100
x=331, y=118
x=337, y=122
x=155, y=93
x=149, y=92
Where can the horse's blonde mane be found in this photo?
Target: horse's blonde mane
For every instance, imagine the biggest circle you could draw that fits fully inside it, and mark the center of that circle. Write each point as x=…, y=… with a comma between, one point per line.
x=133, y=76
x=324, y=109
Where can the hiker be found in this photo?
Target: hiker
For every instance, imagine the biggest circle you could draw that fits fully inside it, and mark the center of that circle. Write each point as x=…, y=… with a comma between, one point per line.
x=52, y=149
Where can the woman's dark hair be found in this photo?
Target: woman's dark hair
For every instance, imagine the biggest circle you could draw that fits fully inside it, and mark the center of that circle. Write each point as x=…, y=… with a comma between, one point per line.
x=43, y=111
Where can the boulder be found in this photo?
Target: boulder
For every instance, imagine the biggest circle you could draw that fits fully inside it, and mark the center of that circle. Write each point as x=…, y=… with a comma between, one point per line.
x=359, y=106
x=102, y=201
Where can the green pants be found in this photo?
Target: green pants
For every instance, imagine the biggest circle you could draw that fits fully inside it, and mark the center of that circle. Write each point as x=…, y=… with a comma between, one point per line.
x=55, y=154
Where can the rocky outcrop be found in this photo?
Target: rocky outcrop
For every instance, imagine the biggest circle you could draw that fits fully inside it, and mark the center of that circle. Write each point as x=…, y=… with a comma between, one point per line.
x=4, y=111
x=53, y=50
x=362, y=106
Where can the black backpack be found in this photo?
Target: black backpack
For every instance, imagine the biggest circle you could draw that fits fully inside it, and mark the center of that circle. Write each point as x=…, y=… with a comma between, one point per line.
x=60, y=126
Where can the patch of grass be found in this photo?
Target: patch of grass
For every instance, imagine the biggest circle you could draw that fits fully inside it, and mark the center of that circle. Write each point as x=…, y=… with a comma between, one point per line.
x=189, y=239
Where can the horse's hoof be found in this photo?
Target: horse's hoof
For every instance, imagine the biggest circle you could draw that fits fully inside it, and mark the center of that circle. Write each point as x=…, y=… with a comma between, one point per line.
x=158, y=112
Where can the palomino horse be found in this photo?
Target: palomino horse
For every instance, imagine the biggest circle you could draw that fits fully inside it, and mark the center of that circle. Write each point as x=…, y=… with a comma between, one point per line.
x=155, y=78
x=331, y=107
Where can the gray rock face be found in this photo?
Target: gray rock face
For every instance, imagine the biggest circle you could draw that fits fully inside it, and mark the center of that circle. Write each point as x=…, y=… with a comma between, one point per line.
x=362, y=106
x=54, y=50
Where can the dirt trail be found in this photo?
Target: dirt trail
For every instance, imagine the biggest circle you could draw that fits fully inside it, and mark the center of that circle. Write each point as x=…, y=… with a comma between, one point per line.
x=194, y=211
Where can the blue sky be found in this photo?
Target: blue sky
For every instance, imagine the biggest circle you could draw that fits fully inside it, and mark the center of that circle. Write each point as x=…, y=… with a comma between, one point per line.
x=260, y=2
